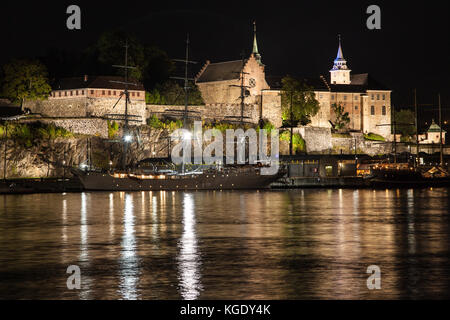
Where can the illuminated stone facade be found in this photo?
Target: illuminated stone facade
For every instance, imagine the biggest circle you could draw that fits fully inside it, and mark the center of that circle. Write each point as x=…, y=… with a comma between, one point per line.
x=90, y=97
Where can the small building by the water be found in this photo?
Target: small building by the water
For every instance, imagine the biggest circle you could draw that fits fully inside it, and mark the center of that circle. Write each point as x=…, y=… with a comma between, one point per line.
x=433, y=135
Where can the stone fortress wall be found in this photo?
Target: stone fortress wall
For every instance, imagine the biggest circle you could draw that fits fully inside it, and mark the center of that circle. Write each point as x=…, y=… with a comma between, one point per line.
x=85, y=107
x=269, y=110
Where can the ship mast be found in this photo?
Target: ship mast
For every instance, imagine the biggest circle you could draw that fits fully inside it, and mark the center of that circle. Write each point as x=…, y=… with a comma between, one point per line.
x=440, y=133
x=186, y=80
x=416, y=162
x=127, y=138
x=243, y=89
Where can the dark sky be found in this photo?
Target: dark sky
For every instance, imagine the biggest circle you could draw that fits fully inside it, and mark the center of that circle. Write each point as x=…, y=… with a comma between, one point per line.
x=412, y=50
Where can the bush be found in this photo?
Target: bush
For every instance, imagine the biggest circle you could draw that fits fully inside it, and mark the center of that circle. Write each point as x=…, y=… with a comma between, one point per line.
x=27, y=133
x=373, y=137
x=298, y=143
x=113, y=128
x=170, y=125
x=155, y=123
x=268, y=126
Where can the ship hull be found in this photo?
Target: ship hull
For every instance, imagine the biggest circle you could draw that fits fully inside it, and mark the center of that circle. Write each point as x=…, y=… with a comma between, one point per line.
x=405, y=179
x=96, y=181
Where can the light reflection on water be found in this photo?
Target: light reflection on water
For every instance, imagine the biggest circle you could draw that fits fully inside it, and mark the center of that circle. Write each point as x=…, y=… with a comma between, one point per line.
x=128, y=262
x=312, y=244
x=189, y=260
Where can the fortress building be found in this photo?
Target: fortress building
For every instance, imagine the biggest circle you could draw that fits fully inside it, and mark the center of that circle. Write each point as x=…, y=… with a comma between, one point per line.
x=90, y=96
x=367, y=102
x=220, y=85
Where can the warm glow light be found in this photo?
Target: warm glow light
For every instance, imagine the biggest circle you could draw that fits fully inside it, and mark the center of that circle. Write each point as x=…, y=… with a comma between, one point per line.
x=128, y=138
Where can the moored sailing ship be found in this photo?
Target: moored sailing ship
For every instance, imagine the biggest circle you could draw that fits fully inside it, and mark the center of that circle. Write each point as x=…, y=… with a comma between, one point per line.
x=406, y=175
x=227, y=178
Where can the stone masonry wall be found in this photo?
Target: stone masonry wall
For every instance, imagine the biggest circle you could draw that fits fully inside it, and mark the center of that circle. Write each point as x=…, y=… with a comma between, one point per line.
x=317, y=139
x=220, y=112
x=85, y=107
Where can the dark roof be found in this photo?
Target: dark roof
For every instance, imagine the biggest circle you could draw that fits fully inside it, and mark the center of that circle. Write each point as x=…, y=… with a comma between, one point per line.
x=96, y=82
x=359, y=83
x=220, y=71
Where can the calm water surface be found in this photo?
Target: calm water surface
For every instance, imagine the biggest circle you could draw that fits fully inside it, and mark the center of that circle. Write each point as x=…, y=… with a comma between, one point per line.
x=298, y=244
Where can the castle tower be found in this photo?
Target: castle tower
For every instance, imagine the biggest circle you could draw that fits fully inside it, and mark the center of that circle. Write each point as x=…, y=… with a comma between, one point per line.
x=340, y=74
x=255, y=52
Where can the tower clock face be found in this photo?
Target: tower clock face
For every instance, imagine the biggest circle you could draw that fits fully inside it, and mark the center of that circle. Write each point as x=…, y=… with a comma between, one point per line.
x=252, y=82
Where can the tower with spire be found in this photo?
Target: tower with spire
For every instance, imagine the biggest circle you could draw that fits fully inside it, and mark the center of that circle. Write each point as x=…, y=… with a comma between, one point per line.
x=340, y=73
x=255, y=52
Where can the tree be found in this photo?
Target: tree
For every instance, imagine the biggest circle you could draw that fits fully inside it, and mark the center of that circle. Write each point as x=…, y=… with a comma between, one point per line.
x=25, y=79
x=342, y=118
x=298, y=104
x=405, y=123
x=152, y=65
x=110, y=49
x=171, y=93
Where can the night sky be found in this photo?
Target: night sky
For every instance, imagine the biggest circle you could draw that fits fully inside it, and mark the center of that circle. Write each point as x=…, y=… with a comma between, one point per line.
x=412, y=50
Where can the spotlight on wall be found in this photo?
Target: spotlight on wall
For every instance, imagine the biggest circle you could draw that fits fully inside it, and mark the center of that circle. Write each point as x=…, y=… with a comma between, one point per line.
x=127, y=138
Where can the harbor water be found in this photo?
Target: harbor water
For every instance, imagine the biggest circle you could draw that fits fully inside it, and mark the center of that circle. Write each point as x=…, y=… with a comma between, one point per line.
x=275, y=244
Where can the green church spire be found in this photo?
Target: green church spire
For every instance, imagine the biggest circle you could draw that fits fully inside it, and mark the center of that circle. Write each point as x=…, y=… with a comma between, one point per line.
x=255, y=45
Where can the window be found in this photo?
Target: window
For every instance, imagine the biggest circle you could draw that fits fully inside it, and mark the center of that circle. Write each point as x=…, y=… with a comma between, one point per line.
x=372, y=110
x=356, y=107
x=132, y=94
x=138, y=94
x=109, y=92
x=345, y=97
x=384, y=97
x=378, y=96
x=65, y=93
x=114, y=92
x=60, y=93
x=320, y=96
x=383, y=110
x=332, y=97
x=373, y=97
x=82, y=92
x=103, y=92
x=356, y=98
x=92, y=91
